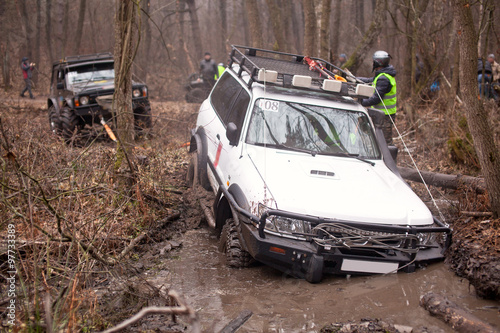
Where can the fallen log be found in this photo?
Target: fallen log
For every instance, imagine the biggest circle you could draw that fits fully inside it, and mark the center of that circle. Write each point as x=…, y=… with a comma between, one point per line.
x=443, y=180
x=449, y=312
x=237, y=322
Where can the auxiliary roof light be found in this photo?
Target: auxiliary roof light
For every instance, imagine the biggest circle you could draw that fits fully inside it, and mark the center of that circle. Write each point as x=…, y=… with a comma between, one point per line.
x=364, y=90
x=301, y=81
x=267, y=76
x=332, y=85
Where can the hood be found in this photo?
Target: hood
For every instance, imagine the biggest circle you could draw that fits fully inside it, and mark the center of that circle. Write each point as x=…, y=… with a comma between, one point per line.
x=337, y=188
x=388, y=70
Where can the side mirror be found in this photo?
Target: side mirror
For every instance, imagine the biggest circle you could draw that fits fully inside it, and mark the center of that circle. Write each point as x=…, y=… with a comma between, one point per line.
x=232, y=134
x=60, y=86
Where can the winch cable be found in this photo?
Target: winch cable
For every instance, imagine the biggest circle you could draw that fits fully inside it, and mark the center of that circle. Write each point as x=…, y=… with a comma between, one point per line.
x=359, y=235
x=441, y=216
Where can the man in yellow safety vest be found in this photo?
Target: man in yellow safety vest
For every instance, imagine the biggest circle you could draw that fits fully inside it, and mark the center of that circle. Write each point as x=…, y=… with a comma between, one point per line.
x=384, y=98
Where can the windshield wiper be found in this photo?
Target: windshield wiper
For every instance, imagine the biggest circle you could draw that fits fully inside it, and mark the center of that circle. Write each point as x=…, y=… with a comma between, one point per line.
x=285, y=147
x=356, y=156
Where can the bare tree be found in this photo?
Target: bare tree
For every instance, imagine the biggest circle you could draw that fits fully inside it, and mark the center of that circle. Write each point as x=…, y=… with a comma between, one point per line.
x=125, y=44
x=48, y=28
x=79, y=26
x=335, y=33
x=310, y=26
x=368, y=38
x=255, y=25
x=275, y=15
x=326, y=8
x=477, y=117
x=195, y=26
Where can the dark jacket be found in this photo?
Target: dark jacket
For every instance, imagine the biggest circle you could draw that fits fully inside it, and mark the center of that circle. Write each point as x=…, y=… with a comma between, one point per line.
x=27, y=70
x=208, y=69
x=487, y=67
x=383, y=85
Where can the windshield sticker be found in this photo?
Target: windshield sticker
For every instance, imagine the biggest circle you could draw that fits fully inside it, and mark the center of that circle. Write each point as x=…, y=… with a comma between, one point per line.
x=269, y=105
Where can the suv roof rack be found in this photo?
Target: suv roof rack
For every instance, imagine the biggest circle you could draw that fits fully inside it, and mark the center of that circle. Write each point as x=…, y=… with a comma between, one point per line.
x=289, y=70
x=86, y=57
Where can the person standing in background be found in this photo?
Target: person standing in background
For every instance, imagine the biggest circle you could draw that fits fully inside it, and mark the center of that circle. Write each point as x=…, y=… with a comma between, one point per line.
x=27, y=75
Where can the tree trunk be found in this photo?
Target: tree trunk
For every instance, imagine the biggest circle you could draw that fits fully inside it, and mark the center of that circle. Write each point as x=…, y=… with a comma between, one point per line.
x=275, y=14
x=59, y=33
x=195, y=26
x=92, y=28
x=335, y=33
x=183, y=54
x=324, y=49
x=477, y=117
x=255, y=25
x=25, y=21
x=79, y=26
x=443, y=180
x=66, y=29
x=449, y=312
x=36, y=54
x=297, y=25
x=223, y=24
x=48, y=29
x=309, y=28
x=125, y=43
x=360, y=16
x=144, y=58
x=369, y=37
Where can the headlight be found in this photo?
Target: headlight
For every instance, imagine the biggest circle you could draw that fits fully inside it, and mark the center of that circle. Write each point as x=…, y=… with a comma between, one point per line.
x=285, y=225
x=136, y=93
x=84, y=100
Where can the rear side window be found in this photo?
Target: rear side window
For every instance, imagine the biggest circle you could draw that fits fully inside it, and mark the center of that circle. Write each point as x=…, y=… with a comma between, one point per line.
x=239, y=110
x=225, y=91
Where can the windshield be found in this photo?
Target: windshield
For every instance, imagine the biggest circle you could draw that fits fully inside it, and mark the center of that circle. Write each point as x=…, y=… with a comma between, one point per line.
x=90, y=73
x=316, y=129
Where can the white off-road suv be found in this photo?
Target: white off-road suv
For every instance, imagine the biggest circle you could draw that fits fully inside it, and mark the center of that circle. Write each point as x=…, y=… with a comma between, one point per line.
x=302, y=176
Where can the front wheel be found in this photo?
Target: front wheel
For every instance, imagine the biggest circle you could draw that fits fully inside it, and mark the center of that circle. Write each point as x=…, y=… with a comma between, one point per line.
x=71, y=124
x=54, y=121
x=230, y=244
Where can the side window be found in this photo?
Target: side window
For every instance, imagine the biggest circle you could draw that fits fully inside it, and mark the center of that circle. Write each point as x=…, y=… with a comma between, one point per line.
x=239, y=110
x=224, y=93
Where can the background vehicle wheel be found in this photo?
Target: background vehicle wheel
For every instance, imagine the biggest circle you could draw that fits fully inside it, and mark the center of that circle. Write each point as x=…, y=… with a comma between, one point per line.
x=236, y=256
x=71, y=124
x=143, y=118
x=197, y=95
x=54, y=121
x=192, y=174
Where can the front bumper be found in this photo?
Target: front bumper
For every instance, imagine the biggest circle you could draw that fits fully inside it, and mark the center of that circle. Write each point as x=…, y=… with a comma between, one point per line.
x=310, y=260
x=95, y=109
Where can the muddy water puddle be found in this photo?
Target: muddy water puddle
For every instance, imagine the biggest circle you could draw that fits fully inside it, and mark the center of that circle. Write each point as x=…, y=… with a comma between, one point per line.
x=283, y=304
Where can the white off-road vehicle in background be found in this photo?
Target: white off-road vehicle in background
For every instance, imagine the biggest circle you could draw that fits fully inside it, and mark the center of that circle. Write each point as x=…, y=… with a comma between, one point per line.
x=302, y=176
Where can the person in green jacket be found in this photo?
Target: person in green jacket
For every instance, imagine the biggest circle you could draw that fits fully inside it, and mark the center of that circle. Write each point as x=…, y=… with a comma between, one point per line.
x=220, y=69
x=384, y=98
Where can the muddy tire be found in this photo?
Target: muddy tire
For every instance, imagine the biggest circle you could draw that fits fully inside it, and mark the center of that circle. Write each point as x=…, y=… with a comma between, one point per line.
x=71, y=124
x=54, y=121
x=197, y=95
x=236, y=256
x=143, y=118
x=192, y=173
